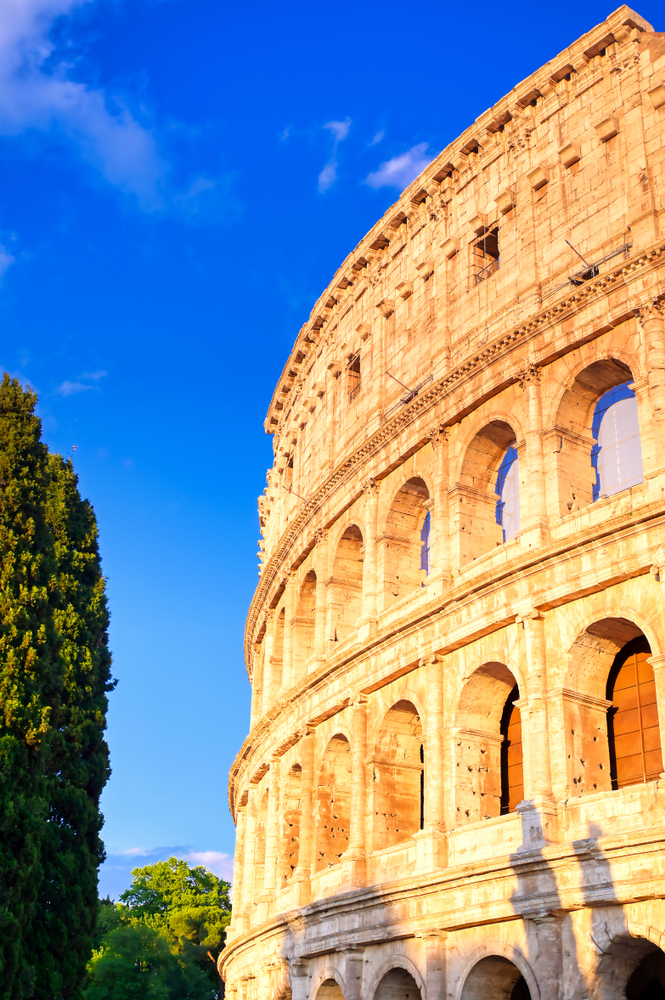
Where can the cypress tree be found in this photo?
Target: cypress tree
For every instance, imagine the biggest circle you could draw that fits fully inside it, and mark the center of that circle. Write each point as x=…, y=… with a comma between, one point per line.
x=62, y=766
x=31, y=676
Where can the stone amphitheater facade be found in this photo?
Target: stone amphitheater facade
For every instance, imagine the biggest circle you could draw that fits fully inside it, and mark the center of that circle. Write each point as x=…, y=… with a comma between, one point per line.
x=452, y=787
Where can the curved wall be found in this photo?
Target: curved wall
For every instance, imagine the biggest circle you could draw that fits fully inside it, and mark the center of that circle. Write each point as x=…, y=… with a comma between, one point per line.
x=452, y=782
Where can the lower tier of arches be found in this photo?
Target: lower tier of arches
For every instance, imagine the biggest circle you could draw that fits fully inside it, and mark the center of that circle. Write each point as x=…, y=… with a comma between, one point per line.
x=606, y=951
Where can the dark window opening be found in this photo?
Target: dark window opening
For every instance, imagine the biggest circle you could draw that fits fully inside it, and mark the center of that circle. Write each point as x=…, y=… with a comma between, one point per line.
x=422, y=787
x=353, y=376
x=633, y=728
x=424, y=548
x=486, y=255
x=512, y=773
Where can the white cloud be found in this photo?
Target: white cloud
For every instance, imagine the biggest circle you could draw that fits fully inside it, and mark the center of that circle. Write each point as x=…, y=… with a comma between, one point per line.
x=35, y=94
x=218, y=862
x=339, y=132
x=402, y=169
x=115, y=873
x=71, y=388
x=377, y=138
x=6, y=260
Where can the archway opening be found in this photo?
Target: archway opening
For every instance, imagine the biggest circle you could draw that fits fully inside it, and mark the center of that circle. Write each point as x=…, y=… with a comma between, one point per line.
x=334, y=803
x=291, y=826
x=495, y=977
x=303, y=639
x=398, y=777
x=648, y=980
x=512, y=759
x=487, y=495
x=398, y=984
x=347, y=583
x=485, y=718
x=329, y=990
x=633, y=728
x=592, y=419
x=616, y=455
x=406, y=541
x=610, y=711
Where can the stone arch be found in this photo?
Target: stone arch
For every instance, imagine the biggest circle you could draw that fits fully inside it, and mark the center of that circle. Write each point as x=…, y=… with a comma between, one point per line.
x=398, y=776
x=474, y=498
x=292, y=793
x=403, y=546
x=480, y=790
x=573, y=424
x=333, y=803
x=397, y=979
x=589, y=738
x=499, y=972
x=328, y=985
x=304, y=624
x=347, y=583
x=628, y=962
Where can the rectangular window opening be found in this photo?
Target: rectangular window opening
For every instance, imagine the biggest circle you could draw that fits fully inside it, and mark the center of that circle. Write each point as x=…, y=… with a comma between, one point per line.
x=486, y=255
x=353, y=376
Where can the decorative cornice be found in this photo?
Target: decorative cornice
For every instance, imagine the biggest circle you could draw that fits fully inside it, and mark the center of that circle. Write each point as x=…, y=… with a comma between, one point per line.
x=425, y=401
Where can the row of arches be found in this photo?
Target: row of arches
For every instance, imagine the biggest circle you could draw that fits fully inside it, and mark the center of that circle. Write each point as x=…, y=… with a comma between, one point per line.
x=596, y=444
x=635, y=971
x=610, y=742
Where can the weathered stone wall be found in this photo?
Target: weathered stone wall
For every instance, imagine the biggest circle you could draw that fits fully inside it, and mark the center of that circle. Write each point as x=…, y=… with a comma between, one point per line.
x=376, y=855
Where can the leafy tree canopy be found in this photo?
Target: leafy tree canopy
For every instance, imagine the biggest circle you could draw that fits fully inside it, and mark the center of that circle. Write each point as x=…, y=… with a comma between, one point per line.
x=172, y=885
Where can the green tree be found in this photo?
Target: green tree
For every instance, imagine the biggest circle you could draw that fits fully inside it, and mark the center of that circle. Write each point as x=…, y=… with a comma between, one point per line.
x=54, y=672
x=166, y=935
x=31, y=676
x=77, y=759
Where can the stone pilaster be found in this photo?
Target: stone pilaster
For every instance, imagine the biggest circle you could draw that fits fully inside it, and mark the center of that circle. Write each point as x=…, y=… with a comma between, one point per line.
x=370, y=574
x=307, y=804
x=533, y=513
x=356, y=850
x=434, y=821
x=268, y=643
x=440, y=519
x=250, y=856
x=272, y=831
x=652, y=320
x=289, y=625
x=353, y=978
x=320, y=611
x=435, y=964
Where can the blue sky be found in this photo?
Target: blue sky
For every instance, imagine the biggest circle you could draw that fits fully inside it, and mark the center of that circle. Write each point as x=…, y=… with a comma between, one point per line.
x=178, y=183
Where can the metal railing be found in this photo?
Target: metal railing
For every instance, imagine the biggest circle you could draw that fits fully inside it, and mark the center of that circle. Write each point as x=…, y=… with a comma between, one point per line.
x=486, y=271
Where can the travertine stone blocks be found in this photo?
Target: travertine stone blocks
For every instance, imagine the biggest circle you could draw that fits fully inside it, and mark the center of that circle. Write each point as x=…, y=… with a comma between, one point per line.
x=430, y=801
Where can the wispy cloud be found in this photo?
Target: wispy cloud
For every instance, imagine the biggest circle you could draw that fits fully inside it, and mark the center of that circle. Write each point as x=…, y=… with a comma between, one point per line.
x=72, y=388
x=339, y=132
x=115, y=873
x=402, y=169
x=377, y=138
x=6, y=260
x=37, y=92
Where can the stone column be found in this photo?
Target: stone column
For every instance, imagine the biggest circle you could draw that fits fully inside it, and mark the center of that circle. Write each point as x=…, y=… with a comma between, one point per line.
x=238, y=858
x=299, y=978
x=435, y=964
x=371, y=490
x=533, y=512
x=307, y=806
x=440, y=515
x=250, y=856
x=320, y=610
x=658, y=661
x=266, y=680
x=652, y=320
x=356, y=850
x=548, y=966
x=289, y=615
x=353, y=974
x=257, y=683
x=434, y=776
x=538, y=795
x=272, y=829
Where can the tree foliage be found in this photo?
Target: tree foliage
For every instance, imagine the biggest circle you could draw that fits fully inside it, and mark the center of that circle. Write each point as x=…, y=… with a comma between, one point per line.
x=54, y=675
x=165, y=935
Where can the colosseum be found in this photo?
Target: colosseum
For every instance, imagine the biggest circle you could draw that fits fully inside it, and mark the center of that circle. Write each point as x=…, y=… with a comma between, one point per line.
x=451, y=788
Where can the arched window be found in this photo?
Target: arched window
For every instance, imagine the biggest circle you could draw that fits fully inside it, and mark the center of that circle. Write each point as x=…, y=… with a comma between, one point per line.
x=617, y=454
x=633, y=728
x=303, y=640
x=512, y=772
x=424, y=548
x=347, y=581
x=334, y=803
x=398, y=783
x=508, y=491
